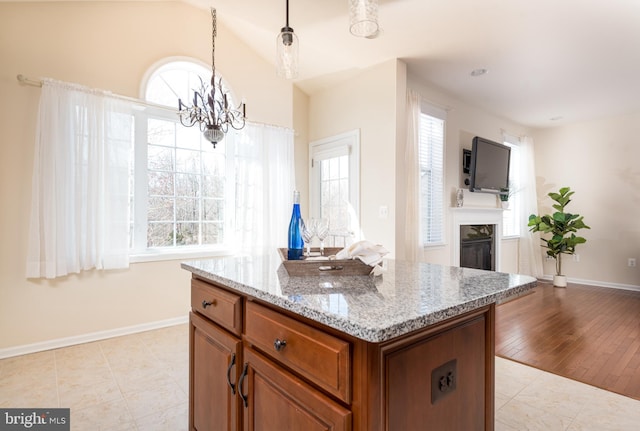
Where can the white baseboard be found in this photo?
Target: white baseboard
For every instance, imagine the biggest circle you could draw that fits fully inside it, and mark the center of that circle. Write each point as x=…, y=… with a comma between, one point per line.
x=87, y=338
x=597, y=283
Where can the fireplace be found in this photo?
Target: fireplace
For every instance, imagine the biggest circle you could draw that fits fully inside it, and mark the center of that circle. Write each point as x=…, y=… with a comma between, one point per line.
x=477, y=234
x=476, y=246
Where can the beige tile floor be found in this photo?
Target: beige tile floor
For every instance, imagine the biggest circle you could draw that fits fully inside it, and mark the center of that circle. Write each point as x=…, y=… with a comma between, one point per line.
x=140, y=382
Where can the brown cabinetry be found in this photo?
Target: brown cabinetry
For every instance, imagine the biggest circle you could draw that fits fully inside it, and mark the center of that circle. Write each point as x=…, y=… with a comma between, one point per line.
x=317, y=356
x=449, y=393
x=215, y=359
x=218, y=305
x=257, y=367
x=277, y=400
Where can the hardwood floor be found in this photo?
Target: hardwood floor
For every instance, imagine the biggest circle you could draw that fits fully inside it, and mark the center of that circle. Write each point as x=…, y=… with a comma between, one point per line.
x=589, y=334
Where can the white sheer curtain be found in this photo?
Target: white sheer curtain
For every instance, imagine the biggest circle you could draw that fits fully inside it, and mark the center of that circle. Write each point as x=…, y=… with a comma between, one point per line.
x=80, y=188
x=412, y=246
x=530, y=256
x=264, y=183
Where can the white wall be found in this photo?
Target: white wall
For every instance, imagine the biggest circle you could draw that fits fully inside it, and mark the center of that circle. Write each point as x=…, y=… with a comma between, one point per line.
x=599, y=160
x=463, y=123
x=368, y=102
x=301, y=126
x=109, y=46
x=374, y=102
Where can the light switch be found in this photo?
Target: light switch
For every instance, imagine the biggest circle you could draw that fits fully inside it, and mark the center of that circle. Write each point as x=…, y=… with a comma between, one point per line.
x=383, y=211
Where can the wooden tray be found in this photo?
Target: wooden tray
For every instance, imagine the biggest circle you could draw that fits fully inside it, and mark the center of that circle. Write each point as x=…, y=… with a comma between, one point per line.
x=323, y=267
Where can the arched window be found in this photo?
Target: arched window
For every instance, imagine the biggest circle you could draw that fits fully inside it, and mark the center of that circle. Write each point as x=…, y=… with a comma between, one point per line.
x=177, y=80
x=174, y=80
x=180, y=182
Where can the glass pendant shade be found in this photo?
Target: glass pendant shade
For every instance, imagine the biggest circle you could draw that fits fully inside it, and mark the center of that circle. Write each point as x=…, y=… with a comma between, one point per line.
x=287, y=54
x=363, y=18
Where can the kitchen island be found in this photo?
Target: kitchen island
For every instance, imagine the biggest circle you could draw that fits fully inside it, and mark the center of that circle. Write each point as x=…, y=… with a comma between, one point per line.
x=410, y=349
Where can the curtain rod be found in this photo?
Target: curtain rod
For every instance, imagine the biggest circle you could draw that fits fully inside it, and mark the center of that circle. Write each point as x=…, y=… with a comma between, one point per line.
x=38, y=83
x=27, y=81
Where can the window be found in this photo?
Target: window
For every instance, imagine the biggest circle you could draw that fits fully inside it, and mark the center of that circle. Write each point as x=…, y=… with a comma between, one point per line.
x=431, y=161
x=179, y=195
x=334, y=186
x=512, y=216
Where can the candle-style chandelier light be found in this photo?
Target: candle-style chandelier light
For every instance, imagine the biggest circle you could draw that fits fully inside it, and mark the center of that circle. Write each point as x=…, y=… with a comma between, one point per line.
x=210, y=109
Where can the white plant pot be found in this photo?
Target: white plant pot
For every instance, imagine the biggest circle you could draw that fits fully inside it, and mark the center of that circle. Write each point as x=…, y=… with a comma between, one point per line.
x=560, y=280
x=505, y=205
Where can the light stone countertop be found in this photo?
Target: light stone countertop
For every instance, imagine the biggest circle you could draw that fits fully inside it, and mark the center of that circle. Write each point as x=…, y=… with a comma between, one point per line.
x=406, y=297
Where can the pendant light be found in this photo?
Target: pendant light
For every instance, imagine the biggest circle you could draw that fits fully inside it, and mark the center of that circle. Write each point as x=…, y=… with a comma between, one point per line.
x=363, y=18
x=287, y=51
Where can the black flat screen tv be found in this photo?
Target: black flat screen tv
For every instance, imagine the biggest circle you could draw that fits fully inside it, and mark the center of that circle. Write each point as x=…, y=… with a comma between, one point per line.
x=489, y=166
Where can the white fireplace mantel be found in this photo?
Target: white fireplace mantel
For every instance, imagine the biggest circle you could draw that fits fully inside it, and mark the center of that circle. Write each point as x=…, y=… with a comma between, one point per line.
x=462, y=216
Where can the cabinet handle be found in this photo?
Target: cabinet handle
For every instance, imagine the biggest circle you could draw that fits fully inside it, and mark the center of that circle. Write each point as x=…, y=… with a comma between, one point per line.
x=279, y=344
x=231, y=385
x=206, y=303
x=242, y=377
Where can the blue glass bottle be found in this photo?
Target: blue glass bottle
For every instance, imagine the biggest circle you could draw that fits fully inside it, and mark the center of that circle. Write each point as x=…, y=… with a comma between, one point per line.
x=296, y=245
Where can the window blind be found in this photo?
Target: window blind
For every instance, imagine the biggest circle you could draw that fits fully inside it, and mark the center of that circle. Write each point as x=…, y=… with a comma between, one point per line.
x=431, y=162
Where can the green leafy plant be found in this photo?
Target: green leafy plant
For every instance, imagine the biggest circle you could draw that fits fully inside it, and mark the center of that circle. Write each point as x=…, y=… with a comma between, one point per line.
x=504, y=194
x=561, y=226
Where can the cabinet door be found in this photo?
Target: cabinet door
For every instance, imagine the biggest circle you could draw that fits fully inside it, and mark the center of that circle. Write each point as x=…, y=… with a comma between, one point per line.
x=276, y=400
x=213, y=369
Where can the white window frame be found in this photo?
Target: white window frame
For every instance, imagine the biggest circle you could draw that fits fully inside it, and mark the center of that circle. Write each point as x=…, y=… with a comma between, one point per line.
x=140, y=252
x=440, y=114
x=512, y=216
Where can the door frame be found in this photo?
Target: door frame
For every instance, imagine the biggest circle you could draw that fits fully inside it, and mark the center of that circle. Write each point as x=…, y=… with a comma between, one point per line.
x=349, y=140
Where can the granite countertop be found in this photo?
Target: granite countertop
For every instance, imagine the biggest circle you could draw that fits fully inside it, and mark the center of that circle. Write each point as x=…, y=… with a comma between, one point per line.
x=406, y=297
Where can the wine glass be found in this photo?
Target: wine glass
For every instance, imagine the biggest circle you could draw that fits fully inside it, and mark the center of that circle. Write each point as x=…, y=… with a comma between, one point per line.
x=322, y=230
x=308, y=232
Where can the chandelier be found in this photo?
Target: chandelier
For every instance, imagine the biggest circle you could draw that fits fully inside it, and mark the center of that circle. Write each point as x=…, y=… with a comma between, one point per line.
x=210, y=109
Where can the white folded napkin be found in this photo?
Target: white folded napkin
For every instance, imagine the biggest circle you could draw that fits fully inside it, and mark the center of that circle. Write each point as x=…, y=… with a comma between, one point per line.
x=369, y=253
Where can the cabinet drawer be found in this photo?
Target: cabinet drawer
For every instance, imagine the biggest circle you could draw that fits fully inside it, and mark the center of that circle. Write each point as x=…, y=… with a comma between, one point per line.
x=312, y=353
x=224, y=308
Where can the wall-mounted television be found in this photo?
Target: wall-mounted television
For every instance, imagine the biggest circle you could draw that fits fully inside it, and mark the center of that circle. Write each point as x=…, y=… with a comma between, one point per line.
x=489, y=166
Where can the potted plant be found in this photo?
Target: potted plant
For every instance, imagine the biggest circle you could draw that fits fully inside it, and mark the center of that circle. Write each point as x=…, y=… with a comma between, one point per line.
x=504, y=197
x=506, y=193
x=561, y=226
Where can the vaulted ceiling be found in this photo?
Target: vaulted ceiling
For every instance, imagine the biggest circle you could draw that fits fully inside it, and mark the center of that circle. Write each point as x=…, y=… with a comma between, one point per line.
x=549, y=62
x=574, y=59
